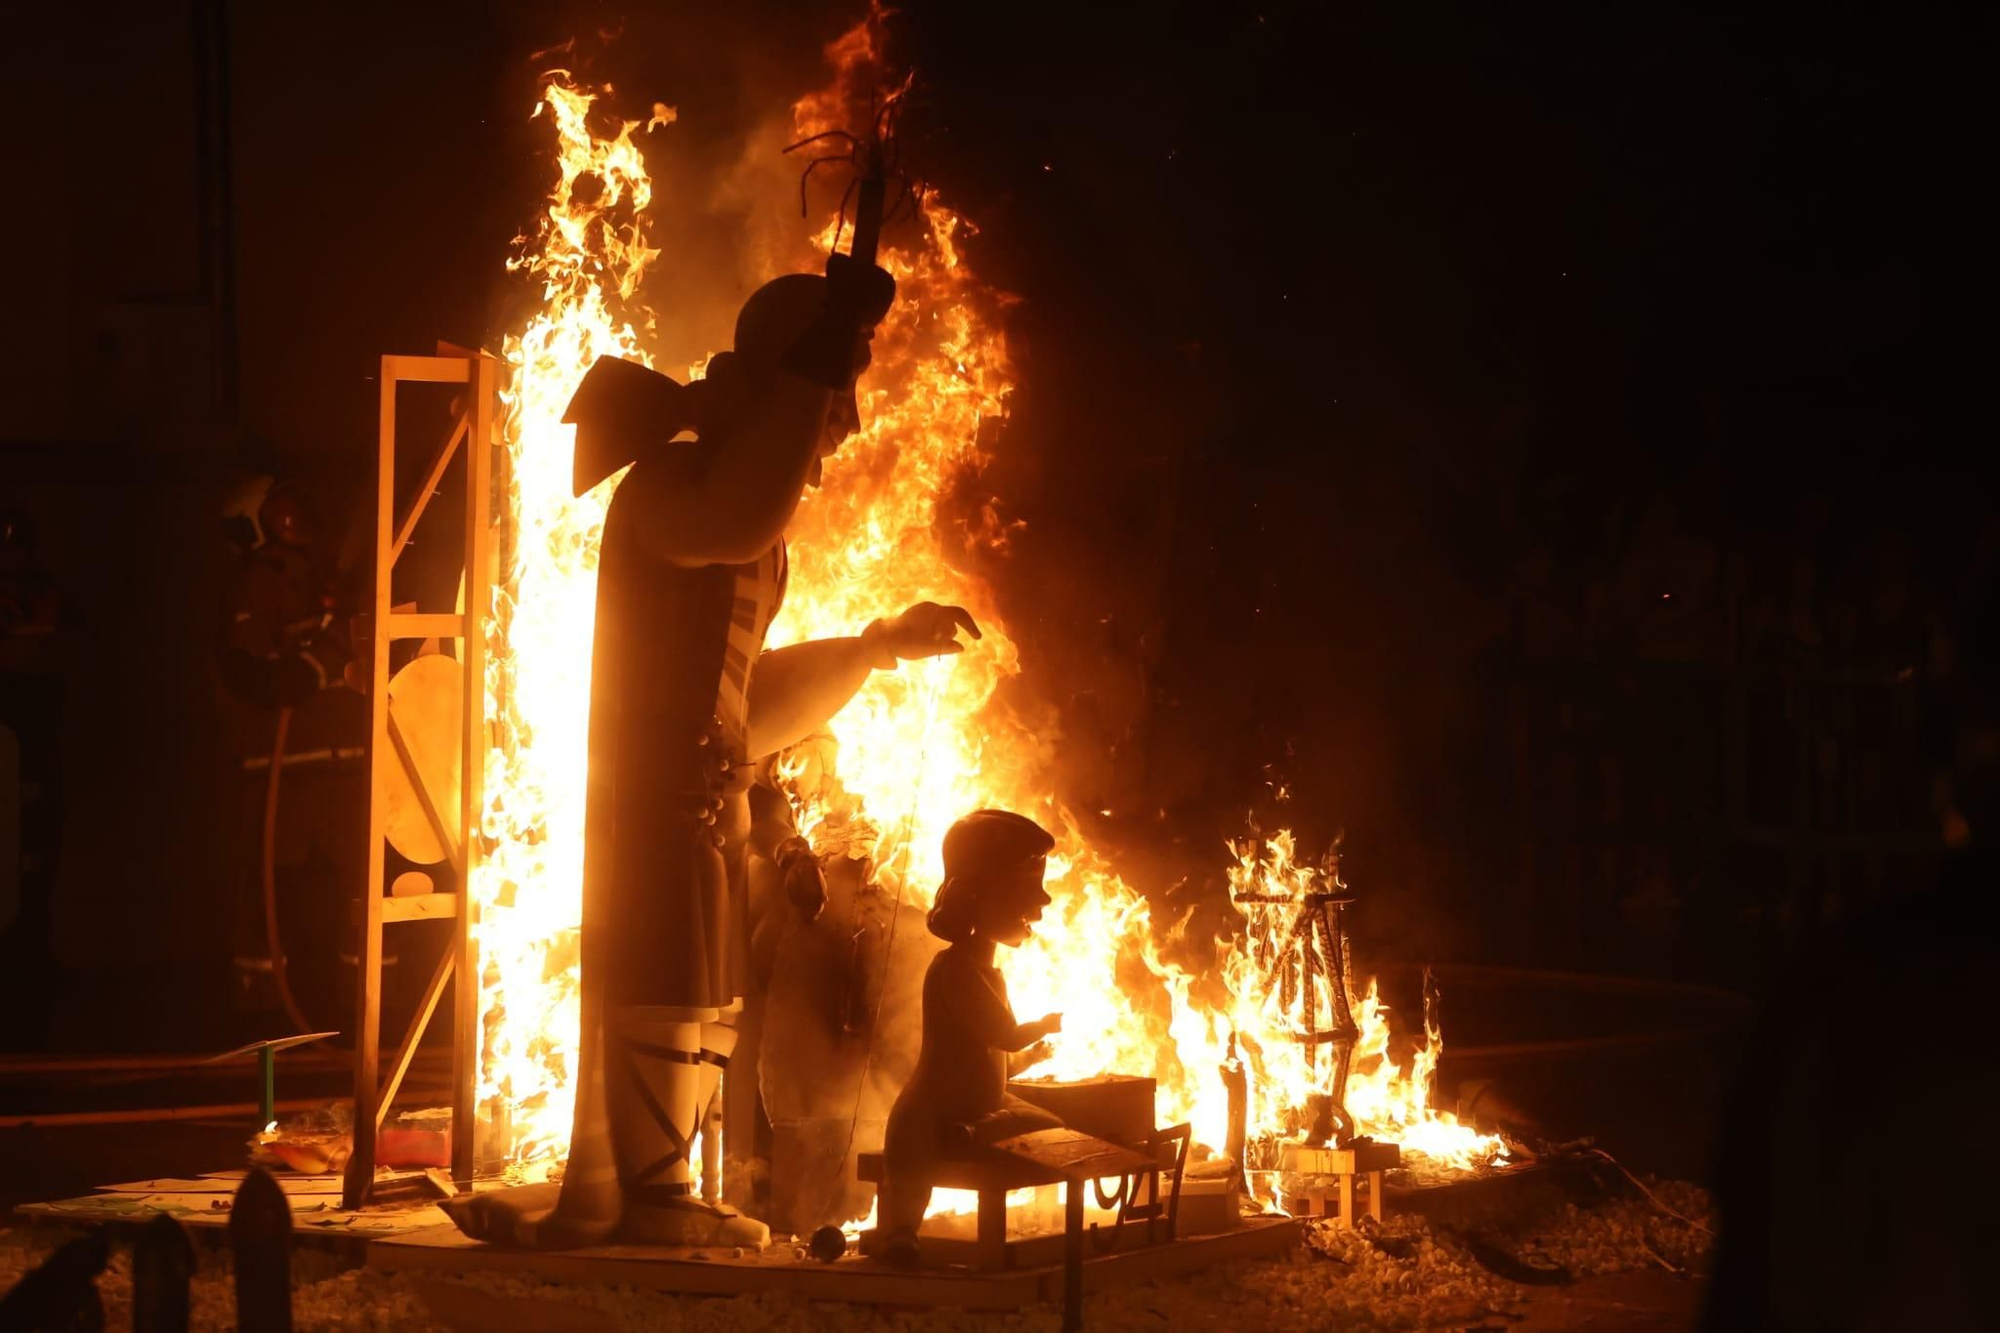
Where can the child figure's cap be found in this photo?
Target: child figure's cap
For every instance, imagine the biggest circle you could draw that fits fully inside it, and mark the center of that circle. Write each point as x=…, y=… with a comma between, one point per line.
x=990, y=840
x=979, y=851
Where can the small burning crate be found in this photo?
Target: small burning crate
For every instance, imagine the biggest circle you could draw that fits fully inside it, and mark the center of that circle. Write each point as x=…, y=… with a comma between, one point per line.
x=1117, y=1107
x=1321, y=1180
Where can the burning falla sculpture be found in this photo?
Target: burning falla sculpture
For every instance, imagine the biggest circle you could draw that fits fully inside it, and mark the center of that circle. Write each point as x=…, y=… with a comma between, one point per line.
x=1319, y=935
x=957, y=1100
x=684, y=701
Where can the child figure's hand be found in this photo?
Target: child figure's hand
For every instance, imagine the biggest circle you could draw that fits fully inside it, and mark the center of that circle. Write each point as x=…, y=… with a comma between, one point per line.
x=1031, y=1057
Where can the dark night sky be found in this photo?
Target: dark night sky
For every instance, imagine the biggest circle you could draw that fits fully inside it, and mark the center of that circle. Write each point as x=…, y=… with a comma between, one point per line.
x=1346, y=334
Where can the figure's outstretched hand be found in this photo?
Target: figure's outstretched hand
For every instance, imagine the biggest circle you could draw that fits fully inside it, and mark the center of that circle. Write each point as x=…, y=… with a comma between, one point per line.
x=1050, y=1024
x=924, y=630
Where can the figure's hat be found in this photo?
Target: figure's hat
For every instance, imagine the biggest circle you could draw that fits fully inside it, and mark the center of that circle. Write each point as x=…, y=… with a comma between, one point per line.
x=620, y=407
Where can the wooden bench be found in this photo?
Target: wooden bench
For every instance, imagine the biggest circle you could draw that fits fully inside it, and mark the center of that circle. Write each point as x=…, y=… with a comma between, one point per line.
x=1365, y=1159
x=1049, y=1157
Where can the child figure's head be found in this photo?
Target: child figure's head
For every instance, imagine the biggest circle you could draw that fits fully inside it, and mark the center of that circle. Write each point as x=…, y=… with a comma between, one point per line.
x=993, y=866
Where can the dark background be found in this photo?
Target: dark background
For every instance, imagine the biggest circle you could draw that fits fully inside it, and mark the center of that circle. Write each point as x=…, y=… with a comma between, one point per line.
x=1538, y=437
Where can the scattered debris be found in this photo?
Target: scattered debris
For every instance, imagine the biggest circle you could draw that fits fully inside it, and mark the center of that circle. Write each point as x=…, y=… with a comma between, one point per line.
x=1410, y=1273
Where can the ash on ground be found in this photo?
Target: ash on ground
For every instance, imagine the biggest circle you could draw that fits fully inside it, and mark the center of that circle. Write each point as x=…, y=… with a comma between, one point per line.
x=1458, y=1263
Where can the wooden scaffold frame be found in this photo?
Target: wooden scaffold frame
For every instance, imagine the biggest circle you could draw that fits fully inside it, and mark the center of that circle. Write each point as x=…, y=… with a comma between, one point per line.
x=472, y=429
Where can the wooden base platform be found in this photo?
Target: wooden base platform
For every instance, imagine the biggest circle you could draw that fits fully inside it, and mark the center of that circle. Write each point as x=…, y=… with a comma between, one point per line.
x=203, y=1204
x=444, y=1251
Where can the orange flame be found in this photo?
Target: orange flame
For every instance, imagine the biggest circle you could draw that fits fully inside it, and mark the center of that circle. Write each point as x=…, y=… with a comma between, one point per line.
x=589, y=249
x=913, y=751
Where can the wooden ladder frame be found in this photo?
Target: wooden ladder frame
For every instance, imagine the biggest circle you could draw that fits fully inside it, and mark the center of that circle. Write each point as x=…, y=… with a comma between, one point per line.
x=474, y=429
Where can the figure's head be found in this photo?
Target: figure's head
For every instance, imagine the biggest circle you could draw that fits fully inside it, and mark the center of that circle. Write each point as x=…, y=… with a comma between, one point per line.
x=775, y=317
x=994, y=861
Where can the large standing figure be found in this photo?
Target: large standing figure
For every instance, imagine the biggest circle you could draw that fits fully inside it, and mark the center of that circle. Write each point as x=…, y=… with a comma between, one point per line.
x=683, y=699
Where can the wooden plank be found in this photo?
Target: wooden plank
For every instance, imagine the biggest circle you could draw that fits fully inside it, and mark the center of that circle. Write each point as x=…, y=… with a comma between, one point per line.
x=425, y=625
x=290, y=1184
x=992, y=1230
x=317, y=1219
x=447, y=836
x=424, y=370
x=422, y=499
x=368, y=954
x=1071, y=1155
x=481, y=444
x=420, y=907
x=415, y=1032
x=1305, y=1160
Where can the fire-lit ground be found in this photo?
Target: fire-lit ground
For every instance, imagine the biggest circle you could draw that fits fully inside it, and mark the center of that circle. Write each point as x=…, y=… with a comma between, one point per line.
x=1419, y=1277
x=1308, y=1292
x=1616, y=1252
x=1652, y=1107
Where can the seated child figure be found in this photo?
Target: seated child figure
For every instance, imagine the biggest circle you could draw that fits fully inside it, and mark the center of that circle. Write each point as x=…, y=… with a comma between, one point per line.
x=957, y=1100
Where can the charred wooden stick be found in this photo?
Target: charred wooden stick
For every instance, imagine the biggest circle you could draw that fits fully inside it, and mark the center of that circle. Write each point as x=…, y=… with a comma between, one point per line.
x=1308, y=985
x=868, y=218
x=1346, y=1030
x=1236, y=1083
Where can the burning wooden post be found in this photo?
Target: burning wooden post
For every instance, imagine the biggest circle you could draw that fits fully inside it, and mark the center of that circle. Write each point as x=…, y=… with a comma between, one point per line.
x=1236, y=1083
x=1320, y=940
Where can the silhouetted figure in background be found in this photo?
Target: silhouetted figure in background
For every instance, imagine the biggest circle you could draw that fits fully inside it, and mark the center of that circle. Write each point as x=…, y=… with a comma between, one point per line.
x=1855, y=1177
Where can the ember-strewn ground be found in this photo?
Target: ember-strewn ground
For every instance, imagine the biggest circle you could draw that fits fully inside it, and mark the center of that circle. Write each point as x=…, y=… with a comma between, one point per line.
x=1652, y=1106
x=1307, y=1290
x=1416, y=1275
